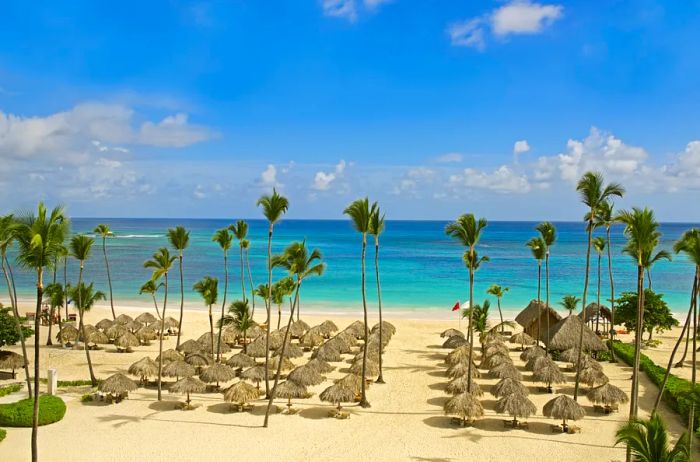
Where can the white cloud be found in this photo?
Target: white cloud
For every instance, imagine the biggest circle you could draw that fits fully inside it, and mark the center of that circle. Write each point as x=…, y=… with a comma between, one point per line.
x=524, y=17
x=502, y=180
x=268, y=177
x=520, y=147
x=172, y=131
x=450, y=157
x=199, y=193
x=323, y=180
x=374, y=4
x=468, y=33
x=345, y=9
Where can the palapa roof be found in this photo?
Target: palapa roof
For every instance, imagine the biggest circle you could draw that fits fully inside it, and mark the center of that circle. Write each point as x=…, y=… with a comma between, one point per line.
x=290, y=390
x=454, y=342
x=146, y=318
x=387, y=328
x=87, y=329
x=563, y=407
x=188, y=385
x=104, y=324
x=170, y=355
x=276, y=339
x=532, y=352
x=339, y=344
x=460, y=384
x=241, y=392
x=146, y=333
x=337, y=393
x=321, y=366
x=11, y=360
x=372, y=355
x=190, y=346
x=326, y=352
x=351, y=381
x=98, y=338
x=328, y=327
x=231, y=334
x=116, y=330
x=171, y=323
x=451, y=333
x=589, y=363
x=144, y=367
x=530, y=314
x=134, y=325
x=516, y=404
x=459, y=354
x=495, y=359
x=287, y=365
x=608, y=395
x=197, y=360
x=538, y=362
x=256, y=348
x=496, y=348
x=127, y=340
x=123, y=319
x=593, y=310
x=67, y=334
x=255, y=331
x=217, y=372
x=465, y=405
x=206, y=347
x=357, y=329
x=570, y=355
x=311, y=339
x=254, y=374
x=306, y=376
x=549, y=374
x=178, y=368
x=290, y=351
x=371, y=368
x=522, y=338
x=591, y=376
x=240, y=360
x=462, y=368
x=565, y=334
x=507, y=386
x=298, y=328
x=117, y=383
x=505, y=370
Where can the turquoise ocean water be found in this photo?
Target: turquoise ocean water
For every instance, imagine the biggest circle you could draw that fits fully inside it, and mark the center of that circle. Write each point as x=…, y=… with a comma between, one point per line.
x=421, y=267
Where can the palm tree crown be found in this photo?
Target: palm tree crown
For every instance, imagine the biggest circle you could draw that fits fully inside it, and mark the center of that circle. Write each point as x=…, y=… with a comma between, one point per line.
x=643, y=235
x=361, y=214
x=240, y=230
x=179, y=238
x=274, y=206
x=161, y=263
x=648, y=441
x=208, y=288
x=81, y=246
x=103, y=231
x=466, y=229
x=376, y=223
x=593, y=193
x=85, y=296
x=689, y=244
x=570, y=302
x=40, y=237
x=538, y=247
x=548, y=232
x=599, y=244
x=297, y=261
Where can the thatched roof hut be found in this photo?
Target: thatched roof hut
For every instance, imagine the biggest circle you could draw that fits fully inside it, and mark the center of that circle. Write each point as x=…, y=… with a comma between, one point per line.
x=170, y=355
x=231, y=334
x=337, y=394
x=532, y=352
x=171, y=323
x=528, y=317
x=197, y=360
x=387, y=328
x=565, y=334
x=123, y=319
x=256, y=348
x=146, y=334
x=298, y=328
x=97, y=338
x=588, y=363
x=241, y=393
x=67, y=334
x=146, y=318
x=563, y=407
x=592, y=377
x=494, y=360
x=328, y=327
x=144, y=368
x=255, y=331
x=188, y=385
x=495, y=348
x=508, y=386
x=126, y=341
x=339, y=344
x=116, y=330
x=276, y=339
x=452, y=333
x=311, y=339
x=104, y=324
x=11, y=360
x=287, y=364
x=523, y=339
x=516, y=405
x=570, y=355
x=454, y=342
x=505, y=370
x=549, y=374
x=117, y=384
x=290, y=390
x=357, y=329
x=134, y=325
x=327, y=353
x=254, y=374
x=190, y=346
x=321, y=366
x=460, y=384
x=538, y=362
x=607, y=395
x=306, y=376
x=207, y=347
x=240, y=360
x=87, y=330
x=593, y=311
x=217, y=372
x=178, y=369
x=466, y=406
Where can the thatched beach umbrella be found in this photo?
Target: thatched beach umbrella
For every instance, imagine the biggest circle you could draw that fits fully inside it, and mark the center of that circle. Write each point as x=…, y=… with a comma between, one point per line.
x=217, y=372
x=134, y=325
x=287, y=365
x=290, y=351
x=311, y=339
x=454, y=342
x=230, y=335
x=117, y=385
x=327, y=353
x=170, y=355
x=146, y=334
x=532, y=352
x=298, y=328
x=123, y=319
x=523, y=339
x=104, y=324
x=306, y=376
x=372, y=355
x=97, y=338
x=357, y=329
x=11, y=360
x=460, y=369
x=464, y=405
x=256, y=348
x=254, y=374
x=240, y=360
x=126, y=341
x=588, y=363
x=592, y=377
x=188, y=385
x=459, y=354
x=516, y=405
x=565, y=408
x=338, y=394
x=371, y=368
x=505, y=371
x=171, y=323
x=494, y=360
x=351, y=381
x=276, y=339
x=496, y=348
x=68, y=334
x=387, y=328
x=207, y=347
x=321, y=366
x=608, y=395
x=255, y=331
x=190, y=346
x=290, y=390
x=538, y=362
x=197, y=360
x=241, y=393
x=565, y=334
x=570, y=355
x=452, y=333
x=178, y=368
x=460, y=385
x=328, y=328
x=116, y=330
x=507, y=386
x=144, y=368
x=549, y=374
x=146, y=318
x=339, y=344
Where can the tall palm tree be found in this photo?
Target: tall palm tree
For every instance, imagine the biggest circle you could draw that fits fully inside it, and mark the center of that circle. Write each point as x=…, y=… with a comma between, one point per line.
x=274, y=207
x=55, y=297
x=642, y=232
x=39, y=237
x=360, y=214
x=7, y=236
x=570, y=302
x=539, y=249
x=240, y=231
x=85, y=296
x=208, y=289
x=648, y=441
x=300, y=264
x=467, y=230
x=280, y=289
x=240, y=316
x=151, y=288
x=161, y=263
x=593, y=193
x=80, y=249
x=605, y=218
x=548, y=232
x=599, y=244
x=245, y=244
x=376, y=228
x=103, y=231
x=225, y=240
x=179, y=238
x=498, y=292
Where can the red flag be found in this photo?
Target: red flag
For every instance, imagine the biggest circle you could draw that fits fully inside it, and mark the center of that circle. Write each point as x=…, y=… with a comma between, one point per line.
x=456, y=307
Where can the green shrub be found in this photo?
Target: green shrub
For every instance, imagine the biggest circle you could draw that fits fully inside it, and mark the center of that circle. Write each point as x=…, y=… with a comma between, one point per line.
x=19, y=414
x=71, y=383
x=86, y=398
x=3, y=434
x=6, y=390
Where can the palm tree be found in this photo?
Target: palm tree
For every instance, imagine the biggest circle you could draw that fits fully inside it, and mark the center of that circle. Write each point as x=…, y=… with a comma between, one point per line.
x=549, y=235
x=225, y=240
x=300, y=265
x=648, y=441
x=245, y=244
x=80, y=249
x=208, y=288
x=498, y=292
x=539, y=249
x=570, y=302
x=179, y=238
x=240, y=231
x=55, y=295
x=7, y=236
x=40, y=238
x=161, y=263
x=599, y=247
x=274, y=206
x=85, y=296
x=103, y=231
x=280, y=289
x=150, y=287
x=240, y=316
x=593, y=193
x=376, y=228
x=467, y=230
x=361, y=213
x=605, y=218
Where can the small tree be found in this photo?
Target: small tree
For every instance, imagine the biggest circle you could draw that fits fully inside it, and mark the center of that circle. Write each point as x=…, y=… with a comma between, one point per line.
x=657, y=316
x=8, y=329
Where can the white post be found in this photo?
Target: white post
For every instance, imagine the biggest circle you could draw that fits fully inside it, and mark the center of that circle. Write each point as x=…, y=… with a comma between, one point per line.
x=53, y=381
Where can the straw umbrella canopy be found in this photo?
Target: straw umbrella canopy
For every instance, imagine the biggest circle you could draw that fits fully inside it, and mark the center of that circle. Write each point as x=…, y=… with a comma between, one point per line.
x=197, y=360
x=321, y=366
x=255, y=331
x=186, y=386
x=134, y=325
x=276, y=340
x=357, y=328
x=608, y=395
x=117, y=384
x=491, y=338
x=144, y=368
x=457, y=355
x=565, y=334
x=505, y=371
x=589, y=363
x=371, y=368
x=170, y=355
x=67, y=334
x=311, y=339
x=104, y=324
x=327, y=353
x=241, y=393
x=451, y=333
x=306, y=376
x=532, y=352
x=298, y=328
x=254, y=374
x=337, y=394
x=387, y=328
x=464, y=405
x=460, y=385
x=206, y=338
x=454, y=342
x=348, y=338
x=328, y=327
x=340, y=344
x=460, y=369
x=494, y=360
x=178, y=369
x=146, y=318
x=290, y=390
x=97, y=338
x=537, y=363
x=516, y=405
x=256, y=349
x=240, y=360
x=11, y=360
x=190, y=346
x=523, y=339
x=123, y=319
x=217, y=372
x=351, y=381
x=372, y=355
x=287, y=365
x=171, y=323
x=549, y=374
x=116, y=330
x=495, y=348
x=207, y=347
x=565, y=408
x=126, y=341
x=146, y=334
x=290, y=351
x=592, y=377
x=508, y=386
x=89, y=329
x=231, y=334
x=570, y=355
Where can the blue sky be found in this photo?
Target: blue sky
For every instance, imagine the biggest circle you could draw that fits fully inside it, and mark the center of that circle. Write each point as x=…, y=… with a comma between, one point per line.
x=183, y=108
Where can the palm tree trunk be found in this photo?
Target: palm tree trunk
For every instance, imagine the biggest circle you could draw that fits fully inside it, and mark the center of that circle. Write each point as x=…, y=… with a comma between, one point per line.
x=268, y=309
x=539, y=302
x=109, y=277
x=182, y=303
x=281, y=357
x=250, y=279
x=585, y=295
x=223, y=307
x=160, y=343
x=18, y=326
x=242, y=275
x=693, y=375
x=612, y=297
x=681, y=362
x=211, y=331
x=597, y=318
x=380, y=379
x=363, y=399
x=471, y=318
x=81, y=313
x=500, y=314
x=634, y=396
x=37, y=325
x=546, y=289
x=279, y=315
x=49, y=342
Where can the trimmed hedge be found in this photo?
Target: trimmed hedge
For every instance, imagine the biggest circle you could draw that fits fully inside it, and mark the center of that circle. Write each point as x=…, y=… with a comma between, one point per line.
x=10, y=389
x=3, y=434
x=19, y=414
x=676, y=394
x=71, y=383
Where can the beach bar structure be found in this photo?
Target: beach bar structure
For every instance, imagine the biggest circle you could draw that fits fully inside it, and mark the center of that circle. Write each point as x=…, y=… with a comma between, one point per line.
x=598, y=317
x=528, y=317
